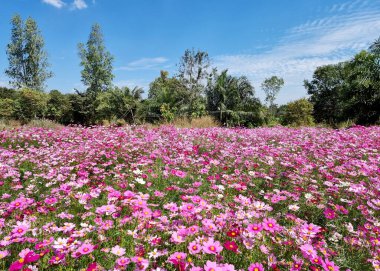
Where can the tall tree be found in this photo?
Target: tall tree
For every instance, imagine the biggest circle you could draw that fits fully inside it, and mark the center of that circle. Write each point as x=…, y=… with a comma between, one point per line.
x=326, y=90
x=375, y=47
x=96, y=61
x=28, y=65
x=193, y=73
x=232, y=98
x=272, y=87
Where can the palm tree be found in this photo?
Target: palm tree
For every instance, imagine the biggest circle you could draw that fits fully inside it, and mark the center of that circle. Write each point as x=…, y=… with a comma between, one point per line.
x=375, y=47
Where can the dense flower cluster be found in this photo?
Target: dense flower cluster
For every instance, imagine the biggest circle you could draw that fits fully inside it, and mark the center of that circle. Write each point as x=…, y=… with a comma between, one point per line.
x=211, y=199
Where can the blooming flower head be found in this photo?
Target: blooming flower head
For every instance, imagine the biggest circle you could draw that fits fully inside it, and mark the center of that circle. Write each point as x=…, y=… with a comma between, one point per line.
x=177, y=257
x=118, y=251
x=20, y=229
x=233, y=233
x=194, y=247
x=86, y=249
x=308, y=251
x=212, y=247
x=141, y=263
x=329, y=266
x=212, y=266
x=329, y=213
x=270, y=224
x=255, y=228
x=123, y=261
x=256, y=267
x=232, y=246
x=3, y=254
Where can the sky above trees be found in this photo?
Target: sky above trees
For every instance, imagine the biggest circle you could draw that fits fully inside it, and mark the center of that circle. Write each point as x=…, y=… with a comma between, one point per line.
x=253, y=38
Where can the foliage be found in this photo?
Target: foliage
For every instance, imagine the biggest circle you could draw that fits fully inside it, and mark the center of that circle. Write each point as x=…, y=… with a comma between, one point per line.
x=171, y=93
x=30, y=104
x=58, y=107
x=96, y=62
x=119, y=103
x=193, y=73
x=28, y=66
x=232, y=100
x=362, y=89
x=347, y=91
x=272, y=87
x=7, y=108
x=298, y=113
x=326, y=90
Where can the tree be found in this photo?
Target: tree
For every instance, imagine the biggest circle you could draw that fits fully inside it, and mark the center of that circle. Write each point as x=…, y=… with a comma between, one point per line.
x=193, y=74
x=298, y=113
x=30, y=104
x=272, y=87
x=233, y=98
x=58, y=107
x=326, y=90
x=28, y=65
x=96, y=61
x=119, y=103
x=375, y=47
x=7, y=108
x=362, y=92
x=168, y=96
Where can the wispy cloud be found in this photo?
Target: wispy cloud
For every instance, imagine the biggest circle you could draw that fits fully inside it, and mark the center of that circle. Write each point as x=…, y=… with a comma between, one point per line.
x=354, y=25
x=55, y=3
x=144, y=64
x=79, y=4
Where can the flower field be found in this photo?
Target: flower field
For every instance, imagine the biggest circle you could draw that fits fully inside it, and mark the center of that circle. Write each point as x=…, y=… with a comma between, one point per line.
x=210, y=199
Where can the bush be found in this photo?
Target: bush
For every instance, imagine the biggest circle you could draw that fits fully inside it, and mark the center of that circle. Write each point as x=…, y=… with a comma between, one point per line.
x=298, y=113
x=7, y=108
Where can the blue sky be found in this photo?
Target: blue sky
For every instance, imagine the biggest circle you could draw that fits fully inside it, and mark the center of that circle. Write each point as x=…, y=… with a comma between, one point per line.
x=256, y=38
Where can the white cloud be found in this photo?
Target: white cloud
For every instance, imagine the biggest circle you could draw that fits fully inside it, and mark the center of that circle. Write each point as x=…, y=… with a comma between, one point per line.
x=305, y=47
x=79, y=4
x=55, y=3
x=144, y=64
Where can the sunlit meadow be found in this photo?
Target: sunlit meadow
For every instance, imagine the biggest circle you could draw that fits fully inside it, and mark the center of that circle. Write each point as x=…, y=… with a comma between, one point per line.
x=210, y=199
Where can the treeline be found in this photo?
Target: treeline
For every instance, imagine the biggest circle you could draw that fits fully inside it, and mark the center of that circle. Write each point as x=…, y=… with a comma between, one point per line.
x=196, y=90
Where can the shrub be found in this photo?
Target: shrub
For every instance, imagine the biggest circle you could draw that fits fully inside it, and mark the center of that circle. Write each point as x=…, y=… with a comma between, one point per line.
x=298, y=113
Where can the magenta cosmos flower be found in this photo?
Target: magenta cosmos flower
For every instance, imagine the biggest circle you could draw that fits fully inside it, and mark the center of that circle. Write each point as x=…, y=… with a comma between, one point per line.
x=256, y=267
x=270, y=224
x=329, y=266
x=329, y=213
x=212, y=247
x=86, y=249
x=194, y=248
x=255, y=228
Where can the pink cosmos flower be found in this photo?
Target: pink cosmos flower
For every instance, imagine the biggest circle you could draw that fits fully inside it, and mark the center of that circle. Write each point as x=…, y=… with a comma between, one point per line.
x=3, y=254
x=123, y=261
x=329, y=213
x=177, y=257
x=212, y=247
x=212, y=266
x=51, y=200
x=255, y=228
x=308, y=251
x=194, y=247
x=85, y=249
x=118, y=251
x=20, y=229
x=270, y=224
x=329, y=266
x=141, y=263
x=56, y=259
x=256, y=267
